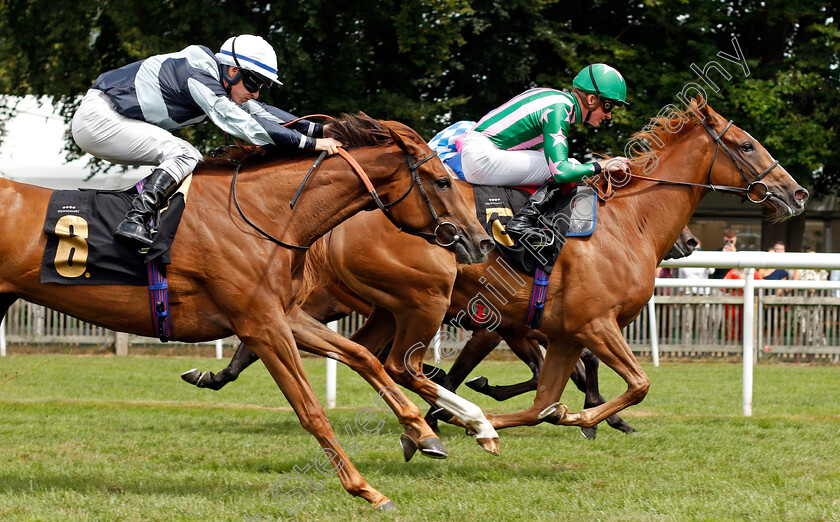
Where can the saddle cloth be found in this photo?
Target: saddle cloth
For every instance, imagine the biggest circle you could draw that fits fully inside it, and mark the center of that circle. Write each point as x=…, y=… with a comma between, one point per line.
x=574, y=216
x=81, y=249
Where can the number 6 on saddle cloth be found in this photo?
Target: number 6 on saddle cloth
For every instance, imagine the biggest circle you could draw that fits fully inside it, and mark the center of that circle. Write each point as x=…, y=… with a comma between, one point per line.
x=81, y=249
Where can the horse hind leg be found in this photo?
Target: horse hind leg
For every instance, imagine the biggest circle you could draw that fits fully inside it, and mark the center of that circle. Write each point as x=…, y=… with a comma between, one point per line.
x=242, y=359
x=528, y=350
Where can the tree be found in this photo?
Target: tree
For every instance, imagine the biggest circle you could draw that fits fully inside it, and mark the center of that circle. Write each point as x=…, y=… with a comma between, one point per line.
x=431, y=62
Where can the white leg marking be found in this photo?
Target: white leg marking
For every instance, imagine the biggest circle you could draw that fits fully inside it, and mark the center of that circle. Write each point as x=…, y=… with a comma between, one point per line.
x=467, y=412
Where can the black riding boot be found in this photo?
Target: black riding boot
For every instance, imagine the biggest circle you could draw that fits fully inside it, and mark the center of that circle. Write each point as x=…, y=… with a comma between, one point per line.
x=525, y=223
x=157, y=190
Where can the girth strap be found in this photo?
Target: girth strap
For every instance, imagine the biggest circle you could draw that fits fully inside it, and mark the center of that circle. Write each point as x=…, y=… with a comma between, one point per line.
x=537, y=304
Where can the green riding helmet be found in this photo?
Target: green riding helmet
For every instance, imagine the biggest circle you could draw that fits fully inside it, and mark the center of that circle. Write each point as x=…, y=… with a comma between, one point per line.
x=602, y=80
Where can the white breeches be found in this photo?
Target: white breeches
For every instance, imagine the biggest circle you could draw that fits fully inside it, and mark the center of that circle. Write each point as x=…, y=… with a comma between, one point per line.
x=484, y=163
x=101, y=131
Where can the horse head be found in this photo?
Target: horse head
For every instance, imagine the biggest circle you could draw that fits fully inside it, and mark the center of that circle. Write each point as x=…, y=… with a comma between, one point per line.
x=741, y=161
x=422, y=198
x=685, y=245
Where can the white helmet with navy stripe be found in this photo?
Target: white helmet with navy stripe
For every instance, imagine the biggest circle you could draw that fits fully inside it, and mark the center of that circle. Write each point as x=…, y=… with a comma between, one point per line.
x=252, y=53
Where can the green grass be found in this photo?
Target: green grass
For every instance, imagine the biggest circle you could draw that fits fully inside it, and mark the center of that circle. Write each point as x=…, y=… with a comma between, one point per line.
x=105, y=438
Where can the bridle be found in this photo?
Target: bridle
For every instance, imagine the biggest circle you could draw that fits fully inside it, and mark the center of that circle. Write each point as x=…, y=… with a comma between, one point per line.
x=415, y=180
x=740, y=164
x=384, y=207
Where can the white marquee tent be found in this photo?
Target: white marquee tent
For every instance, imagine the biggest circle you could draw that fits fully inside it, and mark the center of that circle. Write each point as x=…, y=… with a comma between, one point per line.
x=32, y=152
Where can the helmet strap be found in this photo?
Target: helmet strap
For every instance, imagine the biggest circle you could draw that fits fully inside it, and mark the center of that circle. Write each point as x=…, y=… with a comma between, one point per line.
x=230, y=81
x=236, y=79
x=597, y=93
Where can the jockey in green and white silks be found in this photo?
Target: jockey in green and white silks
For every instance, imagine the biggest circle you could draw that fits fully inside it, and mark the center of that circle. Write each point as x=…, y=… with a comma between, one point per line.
x=525, y=141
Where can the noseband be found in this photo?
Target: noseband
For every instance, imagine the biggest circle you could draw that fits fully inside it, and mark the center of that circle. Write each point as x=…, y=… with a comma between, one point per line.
x=415, y=180
x=740, y=164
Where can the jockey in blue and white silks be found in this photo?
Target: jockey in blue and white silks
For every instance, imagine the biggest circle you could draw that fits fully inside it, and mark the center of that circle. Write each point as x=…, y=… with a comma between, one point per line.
x=128, y=114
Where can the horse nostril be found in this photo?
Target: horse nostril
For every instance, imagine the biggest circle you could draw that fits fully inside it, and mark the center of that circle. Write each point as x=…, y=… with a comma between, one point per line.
x=487, y=245
x=801, y=195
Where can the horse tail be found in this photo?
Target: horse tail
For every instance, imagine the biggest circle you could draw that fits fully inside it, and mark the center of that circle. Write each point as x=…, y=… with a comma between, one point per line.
x=316, y=269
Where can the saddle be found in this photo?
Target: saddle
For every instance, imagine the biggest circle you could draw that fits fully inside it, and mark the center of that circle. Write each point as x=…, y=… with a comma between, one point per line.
x=574, y=216
x=81, y=249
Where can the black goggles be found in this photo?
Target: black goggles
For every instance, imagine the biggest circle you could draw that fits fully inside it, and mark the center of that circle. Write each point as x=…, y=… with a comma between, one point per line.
x=609, y=105
x=251, y=81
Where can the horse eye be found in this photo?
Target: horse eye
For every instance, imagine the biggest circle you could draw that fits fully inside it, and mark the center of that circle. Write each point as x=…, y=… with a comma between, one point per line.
x=747, y=147
x=443, y=183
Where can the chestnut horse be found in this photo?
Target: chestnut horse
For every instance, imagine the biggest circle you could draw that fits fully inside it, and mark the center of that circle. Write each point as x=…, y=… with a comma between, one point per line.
x=227, y=279
x=599, y=284
x=333, y=301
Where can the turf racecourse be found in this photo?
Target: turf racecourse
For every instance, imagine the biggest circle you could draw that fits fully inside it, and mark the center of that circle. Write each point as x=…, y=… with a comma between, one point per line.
x=105, y=438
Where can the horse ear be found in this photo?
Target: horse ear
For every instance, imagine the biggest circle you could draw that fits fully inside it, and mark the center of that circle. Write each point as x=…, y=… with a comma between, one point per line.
x=715, y=119
x=399, y=141
x=702, y=108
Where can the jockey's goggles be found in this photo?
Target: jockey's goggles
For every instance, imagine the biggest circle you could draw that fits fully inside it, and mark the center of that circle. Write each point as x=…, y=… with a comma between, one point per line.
x=609, y=105
x=251, y=81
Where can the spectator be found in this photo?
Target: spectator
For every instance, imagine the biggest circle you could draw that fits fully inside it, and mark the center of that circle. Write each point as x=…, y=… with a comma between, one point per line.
x=733, y=312
x=834, y=275
x=776, y=274
x=809, y=274
x=730, y=244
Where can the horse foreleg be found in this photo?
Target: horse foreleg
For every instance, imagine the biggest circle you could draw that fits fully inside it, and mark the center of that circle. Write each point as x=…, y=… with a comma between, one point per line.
x=479, y=345
x=276, y=348
x=242, y=359
x=607, y=343
x=314, y=337
x=560, y=360
x=415, y=329
x=594, y=397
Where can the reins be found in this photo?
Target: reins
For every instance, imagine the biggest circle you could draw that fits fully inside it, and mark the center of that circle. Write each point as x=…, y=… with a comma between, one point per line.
x=385, y=208
x=745, y=192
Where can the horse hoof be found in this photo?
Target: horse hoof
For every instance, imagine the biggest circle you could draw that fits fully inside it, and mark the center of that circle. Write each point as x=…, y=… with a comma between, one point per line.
x=432, y=447
x=387, y=506
x=490, y=444
x=191, y=376
x=205, y=380
x=589, y=433
x=628, y=429
x=556, y=416
x=623, y=426
x=409, y=447
x=477, y=384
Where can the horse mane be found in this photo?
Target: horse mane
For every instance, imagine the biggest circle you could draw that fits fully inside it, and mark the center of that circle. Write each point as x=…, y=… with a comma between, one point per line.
x=359, y=130
x=660, y=134
x=352, y=130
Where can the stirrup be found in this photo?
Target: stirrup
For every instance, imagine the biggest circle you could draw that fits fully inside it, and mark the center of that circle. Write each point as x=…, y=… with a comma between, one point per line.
x=535, y=237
